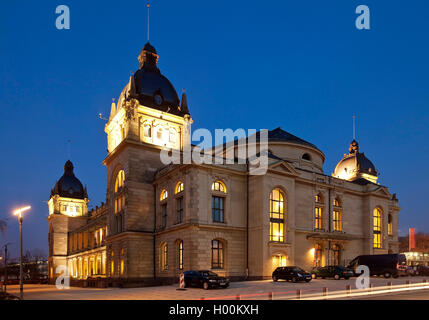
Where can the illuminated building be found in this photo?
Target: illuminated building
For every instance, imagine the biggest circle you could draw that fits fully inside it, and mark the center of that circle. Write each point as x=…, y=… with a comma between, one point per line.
x=159, y=221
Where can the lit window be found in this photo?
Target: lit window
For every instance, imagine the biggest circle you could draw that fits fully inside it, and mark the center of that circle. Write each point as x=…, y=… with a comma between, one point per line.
x=279, y=260
x=337, y=220
x=122, y=262
x=179, y=187
x=172, y=136
x=164, y=195
x=147, y=131
x=318, y=218
x=180, y=251
x=219, y=186
x=218, y=209
x=337, y=202
x=217, y=254
x=164, y=256
x=337, y=216
x=318, y=198
x=377, y=227
x=119, y=197
x=277, y=209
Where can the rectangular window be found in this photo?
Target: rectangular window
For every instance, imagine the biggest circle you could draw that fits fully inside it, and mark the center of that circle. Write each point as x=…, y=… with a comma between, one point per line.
x=318, y=218
x=164, y=215
x=179, y=207
x=217, y=254
x=276, y=230
x=377, y=239
x=217, y=209
x=337, y=221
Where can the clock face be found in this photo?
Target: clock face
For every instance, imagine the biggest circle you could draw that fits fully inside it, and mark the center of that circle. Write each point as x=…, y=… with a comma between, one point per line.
x=158, y=99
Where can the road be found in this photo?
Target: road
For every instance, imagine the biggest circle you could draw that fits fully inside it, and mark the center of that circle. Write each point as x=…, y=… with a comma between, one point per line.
x=255, y=290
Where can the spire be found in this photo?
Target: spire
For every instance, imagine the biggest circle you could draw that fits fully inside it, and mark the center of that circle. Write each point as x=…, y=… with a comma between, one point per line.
x=148, y=16
x=112, y=109
x=184, y=104
x=354, y=127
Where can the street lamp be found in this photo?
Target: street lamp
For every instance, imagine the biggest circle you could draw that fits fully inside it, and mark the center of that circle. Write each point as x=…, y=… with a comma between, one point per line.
x=19, y=213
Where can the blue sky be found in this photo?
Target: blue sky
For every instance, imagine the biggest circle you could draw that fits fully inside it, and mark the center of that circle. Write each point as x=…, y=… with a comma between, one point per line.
x=301, y=65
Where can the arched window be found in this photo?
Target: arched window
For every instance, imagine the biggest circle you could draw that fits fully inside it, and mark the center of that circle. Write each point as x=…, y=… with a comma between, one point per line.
x=164, y=256
x=164, y=195
x=217, y=254
x=336, y=255
x=317, y=255
x=219, y=186
x=337, y=218
x=180, y=254
x=377, y=227
x=318, y=213
x=179, y=187
x=218, y=201
x=306, y=156
x=277, y=210
x=163, y=198
x=390, y=225
x=119, y=197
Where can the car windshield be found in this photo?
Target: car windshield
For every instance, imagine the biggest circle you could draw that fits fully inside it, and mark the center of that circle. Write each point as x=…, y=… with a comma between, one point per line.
x=296, y=269
x=208, y=274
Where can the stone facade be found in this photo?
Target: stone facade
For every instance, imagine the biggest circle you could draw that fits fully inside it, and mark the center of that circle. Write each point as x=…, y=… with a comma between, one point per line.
x=159, y=220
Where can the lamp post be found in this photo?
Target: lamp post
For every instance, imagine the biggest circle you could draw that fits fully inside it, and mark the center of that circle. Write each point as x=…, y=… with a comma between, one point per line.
x=19, y=213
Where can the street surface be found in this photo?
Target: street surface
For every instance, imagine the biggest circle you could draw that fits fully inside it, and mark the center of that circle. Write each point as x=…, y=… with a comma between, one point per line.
x=257, y=290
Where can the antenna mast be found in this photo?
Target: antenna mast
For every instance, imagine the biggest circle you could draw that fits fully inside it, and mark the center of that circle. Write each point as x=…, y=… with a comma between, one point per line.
x=148, y=16
x=354, y=127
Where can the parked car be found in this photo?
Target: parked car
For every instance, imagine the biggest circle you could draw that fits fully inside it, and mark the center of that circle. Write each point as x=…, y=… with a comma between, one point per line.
x=420, y=271
x=293, y=274
x=336, y=272
x=205, y=279
x=386, y=265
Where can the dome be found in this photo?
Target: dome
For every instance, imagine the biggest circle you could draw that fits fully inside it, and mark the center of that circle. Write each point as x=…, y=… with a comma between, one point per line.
x=152, y=89
x=69, y=186
x=355, y=166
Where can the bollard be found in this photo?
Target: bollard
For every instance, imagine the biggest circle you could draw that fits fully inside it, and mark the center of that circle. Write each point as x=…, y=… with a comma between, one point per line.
x=389, y=284
x=298, y=294
x=237, y=297
x=424, y=280
x=325, y=292
x=270, y=296
x=407, y=283
x=348, y=289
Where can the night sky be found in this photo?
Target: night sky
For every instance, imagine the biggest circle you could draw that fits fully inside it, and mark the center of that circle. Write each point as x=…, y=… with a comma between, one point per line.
x=301, y=65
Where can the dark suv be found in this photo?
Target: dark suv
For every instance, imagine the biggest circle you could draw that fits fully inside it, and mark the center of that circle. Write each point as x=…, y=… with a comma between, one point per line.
x=205, y=279
x=336, y=272
x=293, y=274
